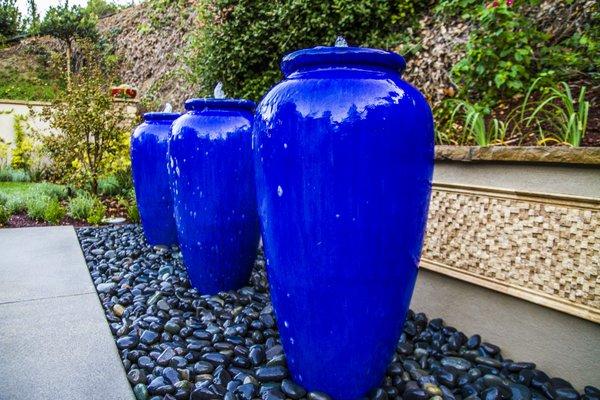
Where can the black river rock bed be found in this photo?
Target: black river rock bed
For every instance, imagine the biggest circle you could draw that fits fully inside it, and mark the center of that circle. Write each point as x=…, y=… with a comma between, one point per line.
x=178, y=344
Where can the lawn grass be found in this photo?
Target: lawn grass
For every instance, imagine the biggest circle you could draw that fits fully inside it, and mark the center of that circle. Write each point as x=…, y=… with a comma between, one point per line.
x=21, y=189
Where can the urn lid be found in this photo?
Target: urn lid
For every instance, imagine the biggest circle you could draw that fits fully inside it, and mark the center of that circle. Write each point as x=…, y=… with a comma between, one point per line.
x=324, y=56
x=219, y=104
x=161, y=116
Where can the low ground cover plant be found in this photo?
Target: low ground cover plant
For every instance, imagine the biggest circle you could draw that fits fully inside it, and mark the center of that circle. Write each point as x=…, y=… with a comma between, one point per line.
x=87, y=207
x=9, y=174
x=45, y=208
x=128, y=201
x=547, y=115
x=4, y=214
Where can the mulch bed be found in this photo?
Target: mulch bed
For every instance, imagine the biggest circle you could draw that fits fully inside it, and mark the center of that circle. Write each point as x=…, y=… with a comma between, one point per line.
x=23, y=221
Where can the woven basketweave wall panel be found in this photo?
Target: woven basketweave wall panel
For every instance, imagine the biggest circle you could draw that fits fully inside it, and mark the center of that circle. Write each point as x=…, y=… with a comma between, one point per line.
x=541, y=248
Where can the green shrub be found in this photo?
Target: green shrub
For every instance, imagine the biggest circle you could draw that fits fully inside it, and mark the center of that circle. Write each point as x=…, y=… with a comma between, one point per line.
x=132, y=212
x=109, y=186
x=36, y=206
x=130, y=205
x=3, y=199
x=80, y=206
x=4, y=215
x=458, y=8
x=86, y=207
x=16, y=205
x=97, y=214
x=558, y=117
x=21, y=154
x=477, y=127
x=9, y=174
x=240, y=43
x=54, y=212
x=51, y=190
x=499, y=60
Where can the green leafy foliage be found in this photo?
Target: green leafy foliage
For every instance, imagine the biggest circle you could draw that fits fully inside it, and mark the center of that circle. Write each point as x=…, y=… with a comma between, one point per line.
x=97, y=215
x=9, y=174
x=10, y=19
x=53, y=190
x=109, y=186
x=54, y=212
x=33, y=18
x=68, y=23
x=130, y=205
x=21, y=155
x=458, y=8
x=87, y=207
x=29, y=73
x=18, y=196
x=101, y=8
x=4, y=215
x=558, y=117
x=499, y=59
x=16, y=204
x=44, y=208
x=240, y=43
x=475, y=128
x=576, y=54
x=4, y=212
x=92, y=133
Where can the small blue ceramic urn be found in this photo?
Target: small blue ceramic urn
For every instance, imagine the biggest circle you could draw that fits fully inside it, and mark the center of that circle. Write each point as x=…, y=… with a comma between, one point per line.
x=150, y=177
x=212, y=181
x=343, y=150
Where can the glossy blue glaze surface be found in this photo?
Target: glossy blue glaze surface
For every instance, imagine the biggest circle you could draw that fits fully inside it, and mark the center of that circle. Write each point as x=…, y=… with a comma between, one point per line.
x=343, y=151
x=212, y=180
x=150, y=177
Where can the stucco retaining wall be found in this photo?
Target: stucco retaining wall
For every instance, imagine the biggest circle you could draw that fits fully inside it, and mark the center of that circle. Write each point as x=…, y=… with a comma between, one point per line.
x=10, y=108
x=512, y=252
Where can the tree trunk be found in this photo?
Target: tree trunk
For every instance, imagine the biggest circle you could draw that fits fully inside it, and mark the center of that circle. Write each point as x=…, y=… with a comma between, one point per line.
x=95, y=185
x=68, y=64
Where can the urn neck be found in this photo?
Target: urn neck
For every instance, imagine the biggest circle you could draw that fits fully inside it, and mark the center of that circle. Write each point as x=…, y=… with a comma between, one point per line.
x=160, y=117
x=345, y=58
x=212, y=104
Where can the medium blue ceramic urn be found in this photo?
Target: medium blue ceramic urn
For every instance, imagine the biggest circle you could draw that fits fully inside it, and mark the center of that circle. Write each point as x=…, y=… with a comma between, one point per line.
x=343, y=150
x=212, y=181
x=150, y=177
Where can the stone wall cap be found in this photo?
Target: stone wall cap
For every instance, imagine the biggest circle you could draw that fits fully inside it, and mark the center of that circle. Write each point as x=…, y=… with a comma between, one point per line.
x=47, y=103
x=25, y=102
x=524, y=154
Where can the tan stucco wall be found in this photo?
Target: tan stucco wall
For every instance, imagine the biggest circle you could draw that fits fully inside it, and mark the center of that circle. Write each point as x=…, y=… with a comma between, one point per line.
x=7, y=131
x=7, y=120
x=573, y=180
x=560, y=344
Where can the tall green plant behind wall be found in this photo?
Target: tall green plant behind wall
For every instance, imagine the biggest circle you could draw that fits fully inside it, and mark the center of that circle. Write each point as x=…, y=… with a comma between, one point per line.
x=240, y=43
x=21, y=155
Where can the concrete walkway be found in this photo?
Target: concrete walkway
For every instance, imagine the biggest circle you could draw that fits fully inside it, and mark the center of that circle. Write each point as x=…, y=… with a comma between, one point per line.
x=55, y=342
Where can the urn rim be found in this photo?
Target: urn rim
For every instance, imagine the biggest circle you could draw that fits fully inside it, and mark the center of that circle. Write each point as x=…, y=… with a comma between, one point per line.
x=161, y=116
x=199, y=104
x=327, y=56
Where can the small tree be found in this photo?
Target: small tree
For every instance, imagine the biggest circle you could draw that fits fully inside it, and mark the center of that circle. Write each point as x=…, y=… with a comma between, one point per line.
x=10, y=19
x=33, y=17
x=68, y=24
x=101, y=8
x=91, y=130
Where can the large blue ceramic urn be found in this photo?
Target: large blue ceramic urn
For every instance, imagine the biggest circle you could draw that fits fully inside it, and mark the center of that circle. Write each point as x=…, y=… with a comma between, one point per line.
x=343, y=151
x=212, y=181
x=150, y=177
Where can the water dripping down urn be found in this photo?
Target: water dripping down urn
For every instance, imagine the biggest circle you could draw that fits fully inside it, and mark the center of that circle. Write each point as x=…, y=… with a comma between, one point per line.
x=150, y=177
x=212, y=180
